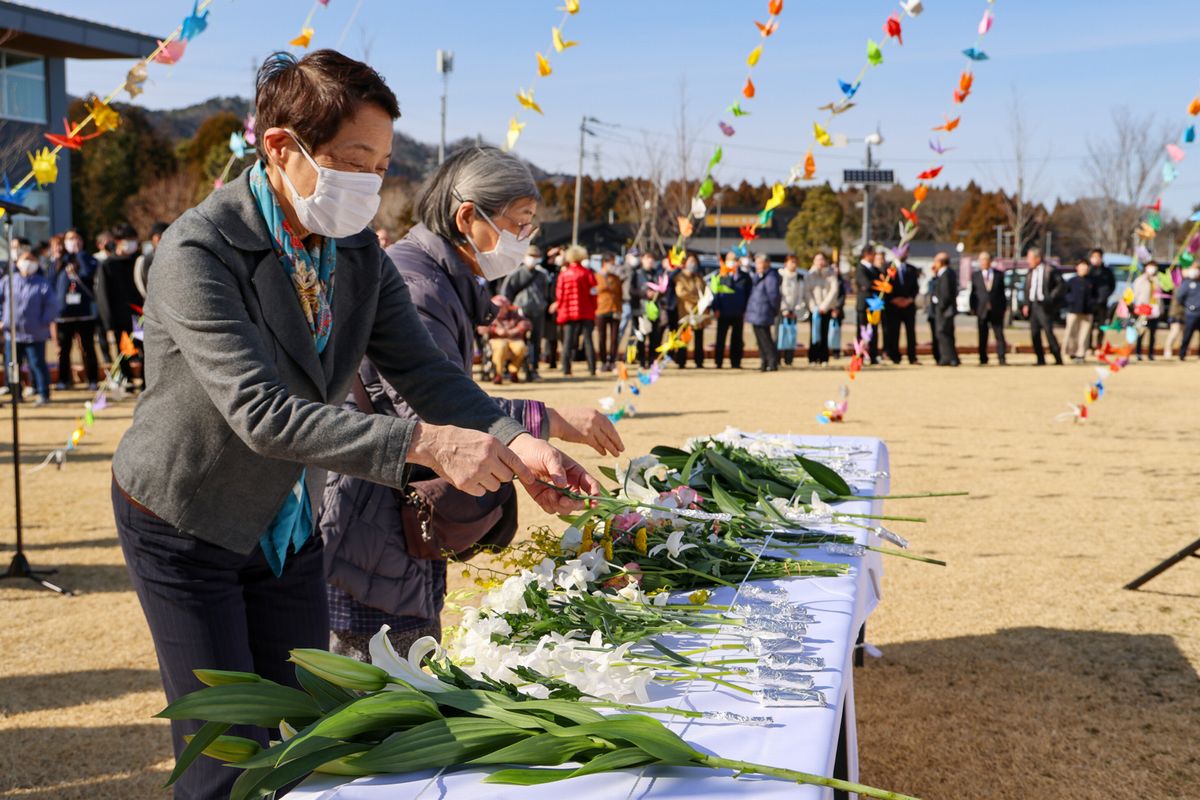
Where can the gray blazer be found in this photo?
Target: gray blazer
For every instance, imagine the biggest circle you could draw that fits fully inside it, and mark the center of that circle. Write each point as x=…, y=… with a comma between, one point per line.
x=237, y=399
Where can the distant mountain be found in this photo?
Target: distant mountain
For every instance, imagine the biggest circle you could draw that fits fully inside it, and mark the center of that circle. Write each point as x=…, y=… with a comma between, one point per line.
x=410, y=158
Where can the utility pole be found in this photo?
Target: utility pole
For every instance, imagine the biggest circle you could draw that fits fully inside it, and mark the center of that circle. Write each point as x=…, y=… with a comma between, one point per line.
x=583, y=132
x=999, y=242
x=866, y=202
x=445, y=65
x=720, y=197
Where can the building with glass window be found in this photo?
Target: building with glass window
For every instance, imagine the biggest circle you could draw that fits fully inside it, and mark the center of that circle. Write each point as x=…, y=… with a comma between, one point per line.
x=34, y=48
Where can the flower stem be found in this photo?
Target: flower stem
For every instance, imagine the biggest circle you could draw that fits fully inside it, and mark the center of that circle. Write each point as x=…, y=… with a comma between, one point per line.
x=902, y=554
x=915, y=496
x=715, y=762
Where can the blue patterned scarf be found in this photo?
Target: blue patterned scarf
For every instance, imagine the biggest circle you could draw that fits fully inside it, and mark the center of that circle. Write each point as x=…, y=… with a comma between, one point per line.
x=311, y=273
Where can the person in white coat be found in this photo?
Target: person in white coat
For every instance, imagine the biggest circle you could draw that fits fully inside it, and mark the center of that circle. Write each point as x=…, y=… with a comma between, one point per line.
x=793, y=300
x=820, y=294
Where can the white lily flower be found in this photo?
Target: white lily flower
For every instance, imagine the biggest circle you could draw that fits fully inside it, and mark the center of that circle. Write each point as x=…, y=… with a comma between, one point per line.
x=384, y=656
x=571, y=541
x=674, y=545
x=509, y=597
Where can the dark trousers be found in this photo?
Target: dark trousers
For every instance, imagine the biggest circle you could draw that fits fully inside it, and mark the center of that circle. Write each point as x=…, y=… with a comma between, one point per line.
x=679, y=356
x=730, y=327
x=550, y=337
x=33, y=356
x=934, y=343
x=1041, y=319
x=818, y=351
x=647, y=346
x=608, y=329
x=209, y=607
x=945, y=348
x=876, y=333
x=768, y=353
x=127, y=362
x=1099, y=317
x=893, y=319
x=572, y=331
x=534, y=354
x=1148, y=337
x=996, y=324
x=85, y=331
x=1191, y=324
x=698, y=346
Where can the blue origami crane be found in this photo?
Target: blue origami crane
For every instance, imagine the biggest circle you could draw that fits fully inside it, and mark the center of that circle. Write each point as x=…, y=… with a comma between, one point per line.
x=975, y=54
x=875, y=303
x=18, y=196
x=849, y=89
x=194, y=24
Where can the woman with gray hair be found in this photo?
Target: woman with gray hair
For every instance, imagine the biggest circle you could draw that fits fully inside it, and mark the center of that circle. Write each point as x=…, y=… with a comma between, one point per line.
x=476, y=220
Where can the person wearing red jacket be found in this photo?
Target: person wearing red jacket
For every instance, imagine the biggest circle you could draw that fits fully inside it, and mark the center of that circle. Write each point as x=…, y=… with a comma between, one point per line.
x=575, y=305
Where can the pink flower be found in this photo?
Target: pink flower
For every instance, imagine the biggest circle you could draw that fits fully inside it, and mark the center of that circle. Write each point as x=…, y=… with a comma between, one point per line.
x=632, y=575
x=687, y=497
x=628, y=522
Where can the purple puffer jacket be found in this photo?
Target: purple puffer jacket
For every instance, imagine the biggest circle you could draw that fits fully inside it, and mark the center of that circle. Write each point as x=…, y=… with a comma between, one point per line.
x=36, y=307
x=365, y=553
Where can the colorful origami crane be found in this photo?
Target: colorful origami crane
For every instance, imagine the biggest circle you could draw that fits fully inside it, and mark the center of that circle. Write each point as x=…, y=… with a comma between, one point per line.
x=170, y=52
x=936, y=146
x=135, y=78
x=15, y=195
x=306, y=34
x=975, y=54
x=543, y=66
x=748, y=89
x=44, y=164
x=874, y=53
x=949, y=124
x=1175, y=152
x=194, y=24
x=525, y=98
x=69, y=140
x=237, y=144
x=849, y=89
x=930, y=174
x=737, y=110
x=840, y=107
x=775, y=7
x=964, y=87
x=892, y=28
x=726, y=128
x=766, y=28
x=748, y=232
x=685, y=226
x=571, y=7
x=985, y=24
x=920, y=193
x=821, y=135
x=911, y=216
x=912, y=7
x=560, y=44
x=103, y=116
x=515, y=127
x=754, y=56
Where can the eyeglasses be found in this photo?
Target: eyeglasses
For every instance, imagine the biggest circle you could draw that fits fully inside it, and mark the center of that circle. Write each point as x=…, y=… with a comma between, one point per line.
x=525, y=230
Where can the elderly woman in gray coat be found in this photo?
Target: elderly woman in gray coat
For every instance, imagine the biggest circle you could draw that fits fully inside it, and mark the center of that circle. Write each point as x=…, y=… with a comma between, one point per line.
x=263, y=301
x=477, y=204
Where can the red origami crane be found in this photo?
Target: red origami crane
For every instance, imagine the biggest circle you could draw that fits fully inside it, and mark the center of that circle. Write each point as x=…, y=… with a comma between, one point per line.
x=748, y=232
x=892, y=28
x=929, y=174
x=1157, y=205
x=910, y=216
x=69, y=140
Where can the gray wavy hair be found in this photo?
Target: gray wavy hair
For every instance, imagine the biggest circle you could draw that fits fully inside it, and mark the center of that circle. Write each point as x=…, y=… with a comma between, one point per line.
x=486, y=176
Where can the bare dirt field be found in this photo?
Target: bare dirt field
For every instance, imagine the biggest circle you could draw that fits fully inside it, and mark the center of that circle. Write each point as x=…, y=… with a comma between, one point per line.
x=1020, y=670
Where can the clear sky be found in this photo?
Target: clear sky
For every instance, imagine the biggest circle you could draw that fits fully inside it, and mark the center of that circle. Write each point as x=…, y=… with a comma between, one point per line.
x=1068, y=62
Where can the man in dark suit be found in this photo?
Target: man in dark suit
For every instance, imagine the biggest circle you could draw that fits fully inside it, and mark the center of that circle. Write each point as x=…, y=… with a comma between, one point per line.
x=943, y=297
x=988, y=304
x=901, y=309
x=1104, y=282
x=1044, y=290
x=869, y=270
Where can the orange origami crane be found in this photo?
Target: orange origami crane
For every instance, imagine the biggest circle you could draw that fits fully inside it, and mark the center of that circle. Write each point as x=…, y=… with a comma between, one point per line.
x=929, y=174
x=775, y=7
x=810, y=166
x=748, y=89
x=1194, y=106
x=920, y=193
x=964, y=86
x=127, y=347
x=71, y=141
x=685, y=227
x=949, y=125
x=766, y=28
x=882, y=285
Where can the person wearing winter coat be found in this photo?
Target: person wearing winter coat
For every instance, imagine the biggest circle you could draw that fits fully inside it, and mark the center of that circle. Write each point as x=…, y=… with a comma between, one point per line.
x=75, y=276
x=821, y=296
x=575, y=299
x=374, y=578
x=762, y=309
x=34, y=307
x=729, y=308
x=791, y=299
x=1148, y=297
x=689, y=288
x=1081, y=303
x=529, y=290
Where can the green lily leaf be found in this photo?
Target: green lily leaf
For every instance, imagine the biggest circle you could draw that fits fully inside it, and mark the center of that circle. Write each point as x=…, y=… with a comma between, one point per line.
x=825, y=476
x=617, y=759
x=263, y=781
x=207, y=734
x=263, y=704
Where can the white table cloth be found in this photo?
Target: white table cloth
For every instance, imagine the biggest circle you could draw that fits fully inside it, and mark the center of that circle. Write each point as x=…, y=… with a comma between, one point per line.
x=802, y=738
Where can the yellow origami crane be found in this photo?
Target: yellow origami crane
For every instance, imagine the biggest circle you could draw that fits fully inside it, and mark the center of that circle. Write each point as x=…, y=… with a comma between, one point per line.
x=755, y=54
x=304, y=38
x=543, y=66
x=677, y=255
x=559, y=43
x=822, y=135
x=526, y=99
x=103, y=115
x=44, y=164
x=571, y=7
x=777, y=193
x=515, y=127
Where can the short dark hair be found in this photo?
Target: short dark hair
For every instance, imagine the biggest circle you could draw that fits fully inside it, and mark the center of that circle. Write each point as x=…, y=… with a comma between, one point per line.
x=1094, y=251
x=123, y=230
x=158, y=229
x=315, y=95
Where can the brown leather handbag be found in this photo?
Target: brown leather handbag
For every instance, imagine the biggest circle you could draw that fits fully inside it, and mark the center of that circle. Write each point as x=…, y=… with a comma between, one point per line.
x=441, y=521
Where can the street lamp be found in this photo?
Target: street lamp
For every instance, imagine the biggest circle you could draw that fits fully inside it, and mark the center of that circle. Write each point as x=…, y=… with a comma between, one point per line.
x=445, y=65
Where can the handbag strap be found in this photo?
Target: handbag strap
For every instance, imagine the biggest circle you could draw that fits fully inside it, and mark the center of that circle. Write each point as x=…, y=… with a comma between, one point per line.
x=361, y=398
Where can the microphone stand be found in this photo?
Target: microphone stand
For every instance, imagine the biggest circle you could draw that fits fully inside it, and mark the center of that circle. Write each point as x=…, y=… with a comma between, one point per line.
x=19, y=567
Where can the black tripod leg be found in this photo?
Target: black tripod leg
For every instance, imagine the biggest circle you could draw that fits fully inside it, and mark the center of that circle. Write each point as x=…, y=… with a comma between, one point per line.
x=1191, y=550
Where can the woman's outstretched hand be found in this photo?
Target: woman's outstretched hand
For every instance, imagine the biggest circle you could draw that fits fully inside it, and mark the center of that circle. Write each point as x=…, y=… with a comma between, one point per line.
x=551, y=466
x=472, y=461
x=583, y=425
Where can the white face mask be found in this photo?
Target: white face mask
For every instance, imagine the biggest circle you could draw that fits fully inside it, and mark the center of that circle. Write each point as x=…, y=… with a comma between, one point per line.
x=504, y=257
x=1151, y=271
x=1192, y=273
x=127, y=247
x=342, y=204
x=71, y=246
x=27, y=267
x=530, y=261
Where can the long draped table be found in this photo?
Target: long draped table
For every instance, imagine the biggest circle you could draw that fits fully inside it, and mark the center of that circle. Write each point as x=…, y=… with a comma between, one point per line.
x=815, y=739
